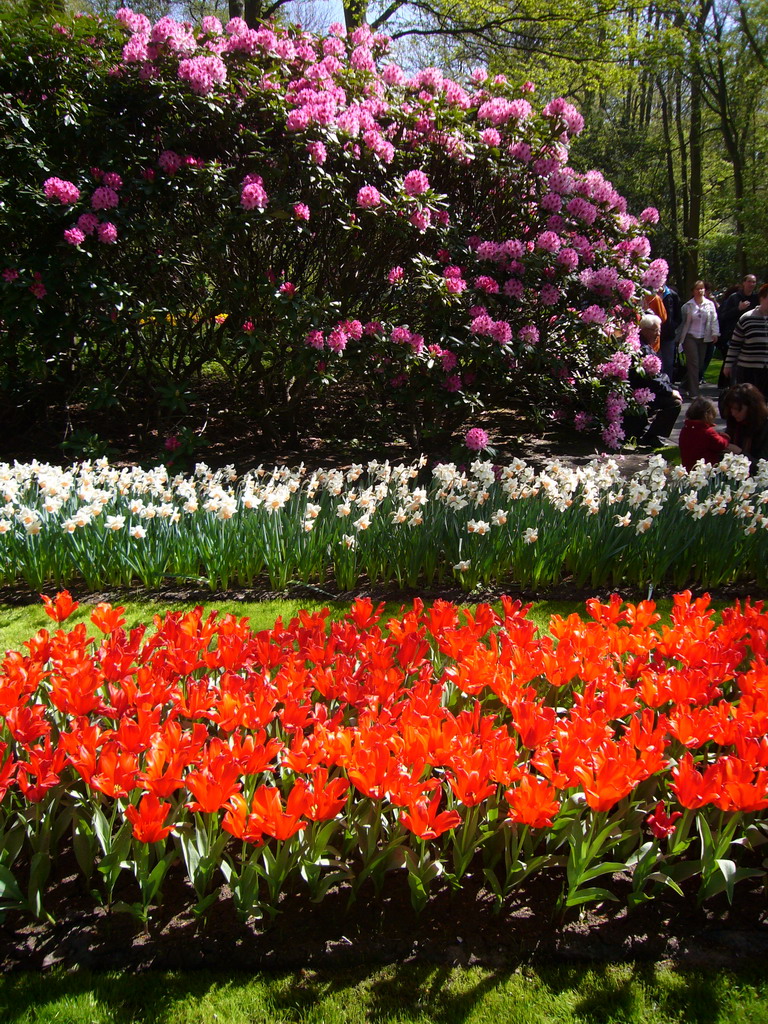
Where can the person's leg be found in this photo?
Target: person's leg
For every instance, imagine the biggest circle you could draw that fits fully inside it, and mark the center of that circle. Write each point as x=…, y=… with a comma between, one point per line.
x=664, y=413
x=708, y=351
x=691, y=352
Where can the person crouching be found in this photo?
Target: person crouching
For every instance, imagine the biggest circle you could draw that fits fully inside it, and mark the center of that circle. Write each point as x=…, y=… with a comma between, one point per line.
x=699, y=439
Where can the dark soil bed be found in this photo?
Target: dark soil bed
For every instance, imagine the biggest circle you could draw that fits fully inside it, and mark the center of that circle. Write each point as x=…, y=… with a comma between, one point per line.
x=456, y=928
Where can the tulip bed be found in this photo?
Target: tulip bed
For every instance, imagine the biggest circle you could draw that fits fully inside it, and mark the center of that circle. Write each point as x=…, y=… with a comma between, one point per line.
x=103, y=526
x=318, y=755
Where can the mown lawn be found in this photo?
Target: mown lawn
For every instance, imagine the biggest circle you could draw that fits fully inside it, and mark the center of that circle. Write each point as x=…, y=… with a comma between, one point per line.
x=18, y=622
x=411, y=994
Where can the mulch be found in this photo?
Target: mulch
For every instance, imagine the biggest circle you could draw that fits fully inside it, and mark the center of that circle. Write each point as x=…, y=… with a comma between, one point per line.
x=458, y=927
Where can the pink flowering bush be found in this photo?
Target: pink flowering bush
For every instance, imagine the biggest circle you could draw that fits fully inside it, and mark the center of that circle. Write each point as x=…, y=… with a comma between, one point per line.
x=421, y=240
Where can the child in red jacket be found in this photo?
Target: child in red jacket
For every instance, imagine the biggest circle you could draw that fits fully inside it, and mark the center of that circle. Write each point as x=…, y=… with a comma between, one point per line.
x=698, y=437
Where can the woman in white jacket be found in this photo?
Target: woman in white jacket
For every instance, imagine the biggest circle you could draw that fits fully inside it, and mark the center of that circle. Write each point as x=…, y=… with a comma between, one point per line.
x=699, y=329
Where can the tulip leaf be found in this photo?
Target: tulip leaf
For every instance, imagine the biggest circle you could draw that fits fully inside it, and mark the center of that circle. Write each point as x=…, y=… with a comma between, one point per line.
x=589, y=896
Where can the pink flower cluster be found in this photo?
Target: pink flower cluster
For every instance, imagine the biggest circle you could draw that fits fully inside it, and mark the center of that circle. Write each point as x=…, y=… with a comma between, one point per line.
x=65, y=191
x=203, y=73
x=618, y=366
x=613, y=433
x=476, y=439
x=559, y=273
x=415, y=183
x=253, y=196
x=655, y=276
x=593, y=315
x=368, y=197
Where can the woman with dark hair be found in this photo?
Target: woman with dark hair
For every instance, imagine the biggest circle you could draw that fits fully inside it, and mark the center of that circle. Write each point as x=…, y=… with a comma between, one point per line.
x=747, y=359
x=746, y=416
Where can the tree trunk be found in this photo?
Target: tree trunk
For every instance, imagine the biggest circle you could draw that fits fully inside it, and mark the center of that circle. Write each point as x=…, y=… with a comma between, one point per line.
x=253, y=13
x=355, y=13
x=674, y=213
x=693, y=221
x=235, y=8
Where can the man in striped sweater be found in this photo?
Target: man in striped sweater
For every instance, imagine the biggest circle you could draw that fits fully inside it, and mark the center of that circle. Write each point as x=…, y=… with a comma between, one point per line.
x=747, y=360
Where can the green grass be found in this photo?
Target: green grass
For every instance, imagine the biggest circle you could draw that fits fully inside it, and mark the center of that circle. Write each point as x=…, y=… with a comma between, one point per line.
x=421, y=994
x=19, y=622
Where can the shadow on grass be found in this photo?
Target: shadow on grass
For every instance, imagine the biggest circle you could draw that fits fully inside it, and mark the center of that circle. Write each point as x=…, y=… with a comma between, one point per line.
x=635, y=994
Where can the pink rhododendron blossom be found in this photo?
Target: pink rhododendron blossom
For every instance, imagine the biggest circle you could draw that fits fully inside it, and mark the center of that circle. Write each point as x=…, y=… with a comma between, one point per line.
x=203, y=73
x=581, y=420
x=626, y=288
x=568, y=259
x=617, y=366
x=10, y=274
x=248, y=328
x=104, y=198
x=301, y=211
x=593, y=315
x=211, y=25
x=88, y=222
x=415, y=183
x=552, y=202
x=106, y=233
x=136, y=50
x=651, y=365
x=74, y=236
x=315, y=339
x=501, y=332
x=368, y=197
x=549, y=294
x=455, y=285
x=643, y=396
x=520, y=151
x=612, y=435
x=169, y=162
x=486, y=284
x=650, y=215
x=548, y=241
x=655, y=276
x=490, y=137
x=581, y=209
x=529, y=334
x=421, y=218
x=476, y=439
x=64, y=191
x=37, y=287
x=395, y=275
x=337, y=340
x=288, y=289
x=481, y=324
x=354, y=329
x=253, y=195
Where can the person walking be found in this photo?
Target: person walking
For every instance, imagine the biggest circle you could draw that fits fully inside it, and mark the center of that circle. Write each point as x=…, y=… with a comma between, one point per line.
x=669, y=328
x=747, y=359
x=700, y=328
x=739, y=302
